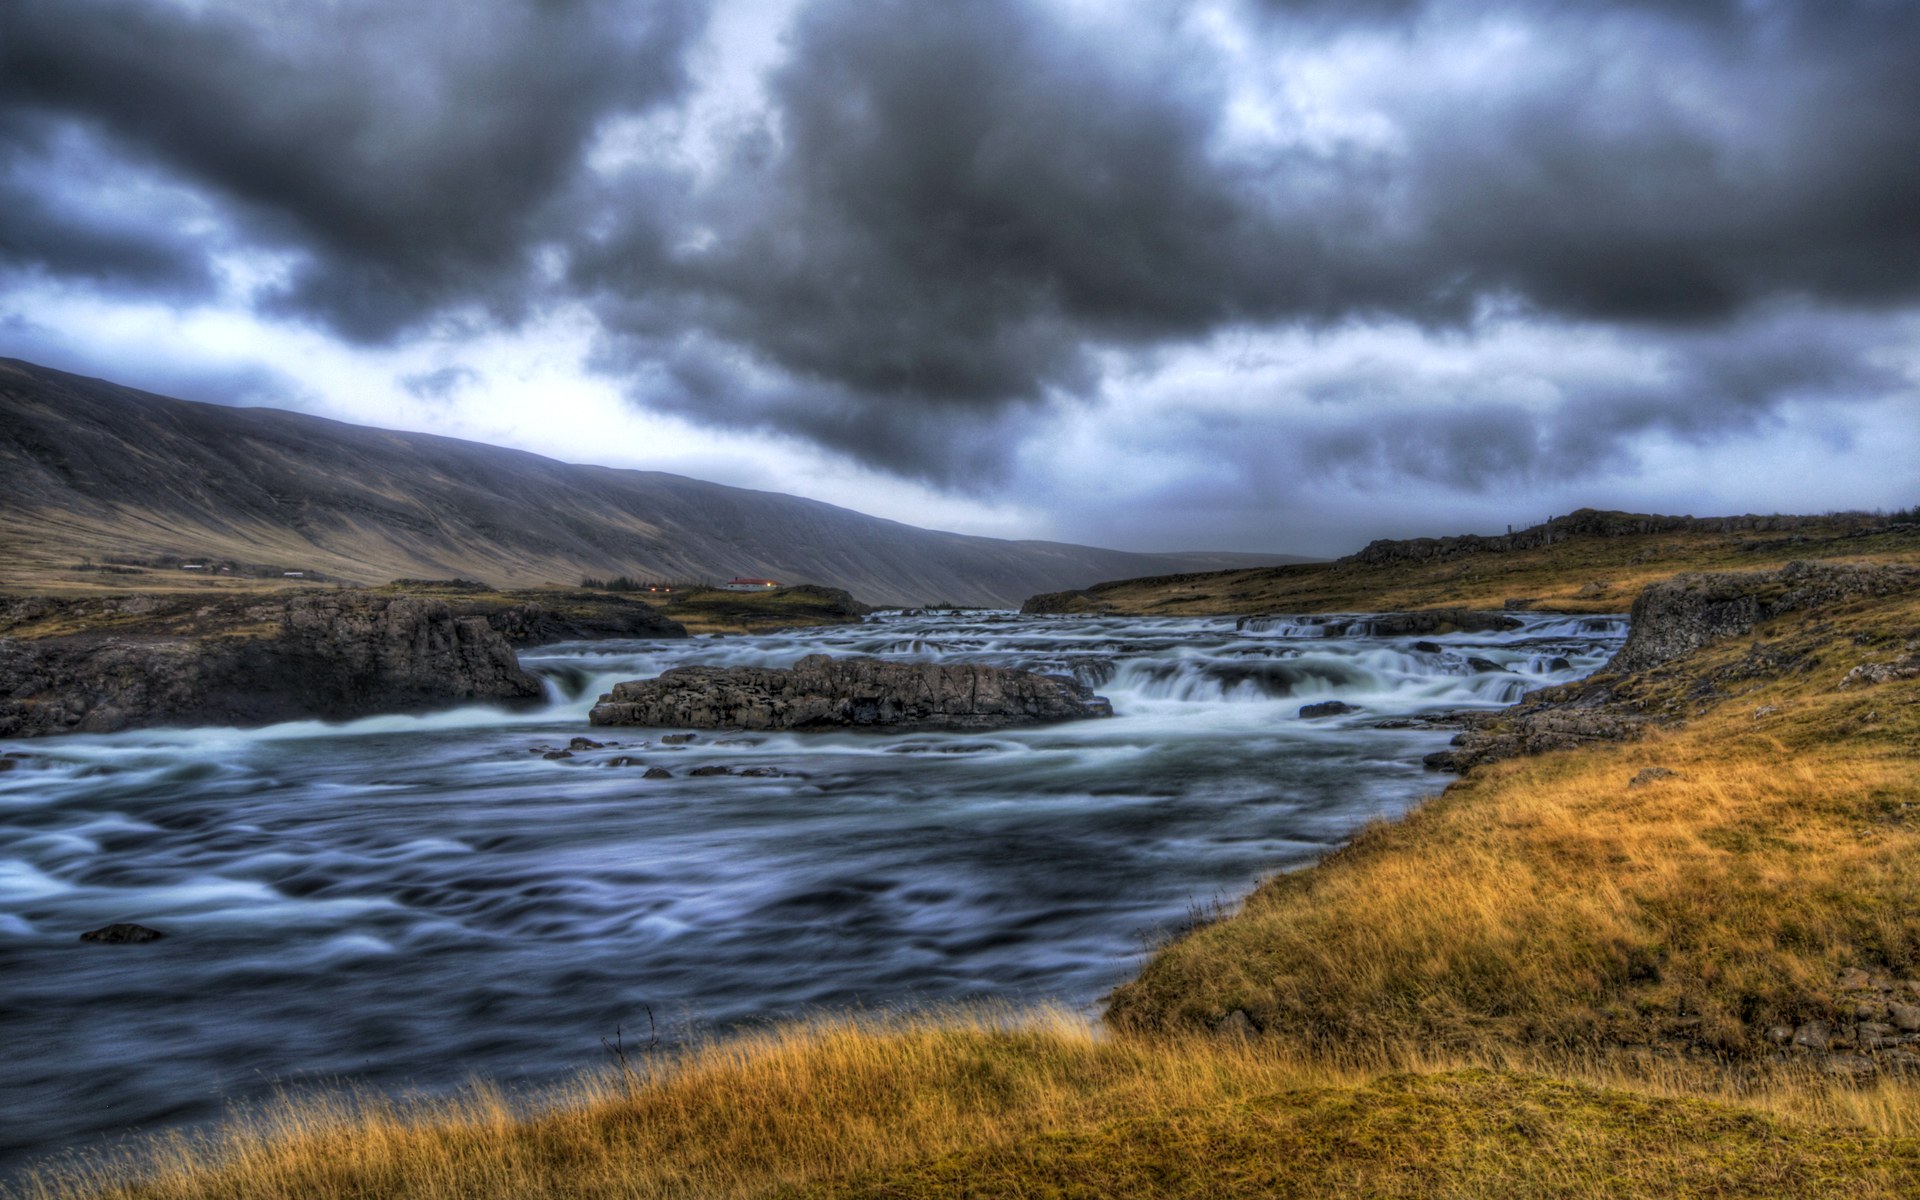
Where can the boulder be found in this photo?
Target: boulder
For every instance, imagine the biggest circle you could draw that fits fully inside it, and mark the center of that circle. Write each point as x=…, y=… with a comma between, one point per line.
x=820, y=692
x=657, y=773
x=124, y=933
x=1326, y=708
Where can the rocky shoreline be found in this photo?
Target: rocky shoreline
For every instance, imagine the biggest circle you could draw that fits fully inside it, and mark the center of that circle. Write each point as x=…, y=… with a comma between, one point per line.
x=1649, y=682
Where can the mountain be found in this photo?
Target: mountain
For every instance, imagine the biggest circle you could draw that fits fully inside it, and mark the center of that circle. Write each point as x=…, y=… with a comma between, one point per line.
x=134, y=483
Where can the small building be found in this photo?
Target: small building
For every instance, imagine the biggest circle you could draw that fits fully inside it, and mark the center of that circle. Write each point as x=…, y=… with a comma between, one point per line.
x=293, y=574
x=749, y=585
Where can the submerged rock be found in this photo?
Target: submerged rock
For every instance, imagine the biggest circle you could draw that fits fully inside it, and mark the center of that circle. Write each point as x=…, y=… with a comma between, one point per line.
x=820, y=692
x=124, y=933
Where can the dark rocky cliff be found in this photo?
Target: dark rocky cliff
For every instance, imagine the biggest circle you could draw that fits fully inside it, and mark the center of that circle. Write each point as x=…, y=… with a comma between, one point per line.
x=1655, y=679
x=139, y=661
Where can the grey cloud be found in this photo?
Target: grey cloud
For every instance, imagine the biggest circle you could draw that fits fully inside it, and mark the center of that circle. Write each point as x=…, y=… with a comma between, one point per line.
x=961, y=196
x=952, y=207
x=440, y=384
x=46, y=229
x=949, y=214
x=409, y=151
x=242, y=384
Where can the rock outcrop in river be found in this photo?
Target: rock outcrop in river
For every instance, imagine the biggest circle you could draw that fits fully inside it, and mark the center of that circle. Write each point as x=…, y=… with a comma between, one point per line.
x=100, y=665
x=820, y=692
x=1652, y=680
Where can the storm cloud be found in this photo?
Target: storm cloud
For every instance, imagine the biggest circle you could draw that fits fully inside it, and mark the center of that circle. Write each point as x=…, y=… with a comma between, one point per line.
x=929, y=238
x=951, y=209
x=405, y=155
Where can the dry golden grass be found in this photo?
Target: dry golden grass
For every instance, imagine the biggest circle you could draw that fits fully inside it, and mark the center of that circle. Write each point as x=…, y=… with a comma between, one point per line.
x=1582, y=575
x=1039, y=1107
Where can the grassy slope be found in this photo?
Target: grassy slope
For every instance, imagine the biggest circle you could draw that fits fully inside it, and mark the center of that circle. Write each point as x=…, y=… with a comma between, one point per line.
x=1582, y=575
x=1549, y=902
x=1547, y=982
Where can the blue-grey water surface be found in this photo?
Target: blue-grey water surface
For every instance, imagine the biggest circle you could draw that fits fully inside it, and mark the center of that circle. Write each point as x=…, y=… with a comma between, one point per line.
x=409, y=902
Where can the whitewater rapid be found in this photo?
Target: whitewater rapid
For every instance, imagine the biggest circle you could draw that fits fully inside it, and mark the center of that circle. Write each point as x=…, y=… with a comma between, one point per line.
x=408, y=902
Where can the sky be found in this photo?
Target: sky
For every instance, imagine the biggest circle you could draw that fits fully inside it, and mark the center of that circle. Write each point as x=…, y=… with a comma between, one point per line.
x=1264, y=275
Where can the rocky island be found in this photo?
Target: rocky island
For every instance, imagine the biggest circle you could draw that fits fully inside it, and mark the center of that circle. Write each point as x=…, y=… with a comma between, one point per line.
x=821, y=692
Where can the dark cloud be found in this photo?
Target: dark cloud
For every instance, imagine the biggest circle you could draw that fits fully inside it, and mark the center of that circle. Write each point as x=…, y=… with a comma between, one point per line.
x=61, y=223
x=950, y=217
x=951, y=209
x=408, y=151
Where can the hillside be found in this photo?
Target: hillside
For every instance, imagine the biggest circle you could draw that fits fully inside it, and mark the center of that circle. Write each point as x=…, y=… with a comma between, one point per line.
x=1584, y=562
x=131, y=485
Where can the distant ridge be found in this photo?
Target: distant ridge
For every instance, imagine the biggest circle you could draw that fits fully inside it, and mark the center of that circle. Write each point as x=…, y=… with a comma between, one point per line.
x=93, y=470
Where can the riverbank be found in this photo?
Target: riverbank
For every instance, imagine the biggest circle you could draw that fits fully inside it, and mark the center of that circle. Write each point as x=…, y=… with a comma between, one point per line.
x=1638, y=968
x=1585, y=562
x=1044, y=1107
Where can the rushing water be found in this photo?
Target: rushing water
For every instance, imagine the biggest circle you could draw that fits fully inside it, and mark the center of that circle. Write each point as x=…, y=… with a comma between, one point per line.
x=409, y=902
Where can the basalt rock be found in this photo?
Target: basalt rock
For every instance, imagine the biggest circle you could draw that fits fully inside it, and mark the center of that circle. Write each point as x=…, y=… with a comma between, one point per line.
x=1671, y=620
x=547, y=617
x=328, y=655
x=820, y=692
x=1682, y=614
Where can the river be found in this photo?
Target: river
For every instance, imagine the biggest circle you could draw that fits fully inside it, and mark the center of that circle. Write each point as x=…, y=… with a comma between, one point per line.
x=408, y=902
